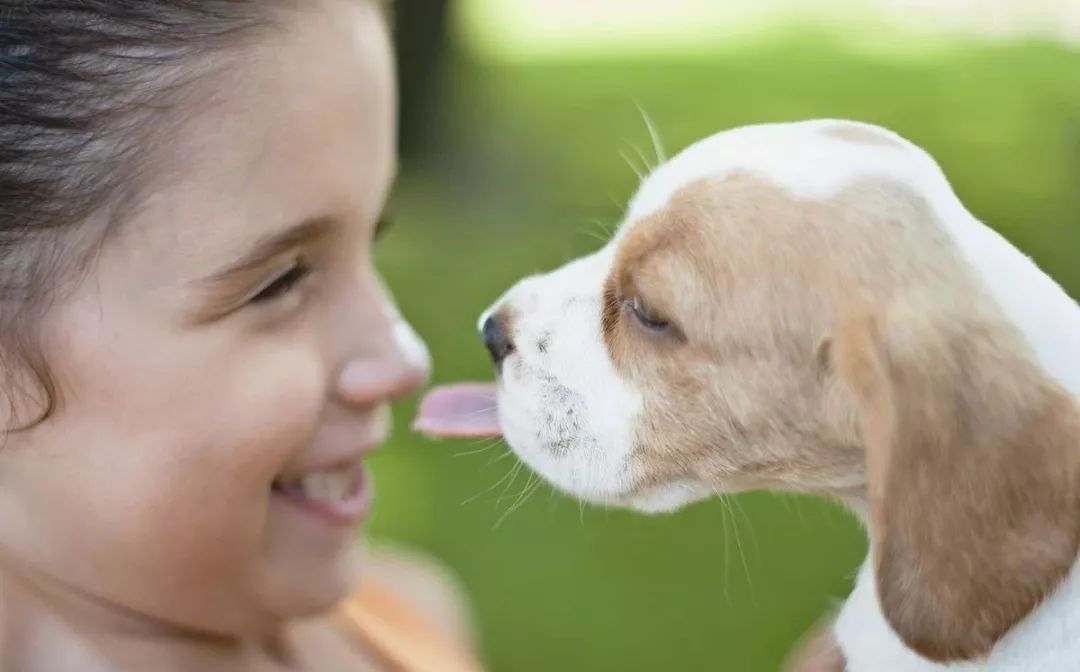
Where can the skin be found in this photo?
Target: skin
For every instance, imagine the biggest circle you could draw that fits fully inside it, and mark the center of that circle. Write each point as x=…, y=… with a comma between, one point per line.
x=138, y=520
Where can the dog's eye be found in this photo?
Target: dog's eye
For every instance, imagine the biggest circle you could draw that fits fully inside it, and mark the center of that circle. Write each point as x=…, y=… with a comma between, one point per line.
x=646, y=317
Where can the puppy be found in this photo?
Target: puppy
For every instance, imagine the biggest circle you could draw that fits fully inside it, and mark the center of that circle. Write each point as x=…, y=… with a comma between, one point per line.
x=810, y=307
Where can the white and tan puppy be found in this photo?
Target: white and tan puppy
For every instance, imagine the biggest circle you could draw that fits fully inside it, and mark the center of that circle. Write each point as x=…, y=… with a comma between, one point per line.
x=809, y=306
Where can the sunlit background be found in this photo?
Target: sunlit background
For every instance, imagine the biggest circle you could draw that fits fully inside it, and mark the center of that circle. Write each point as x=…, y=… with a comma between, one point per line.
x=524, y=134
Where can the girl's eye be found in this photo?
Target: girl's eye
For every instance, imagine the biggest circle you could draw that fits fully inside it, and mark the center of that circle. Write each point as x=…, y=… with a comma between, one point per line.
x=282, y=284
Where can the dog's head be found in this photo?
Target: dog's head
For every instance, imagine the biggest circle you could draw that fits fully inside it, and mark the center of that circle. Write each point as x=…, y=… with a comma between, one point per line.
x=787, y=306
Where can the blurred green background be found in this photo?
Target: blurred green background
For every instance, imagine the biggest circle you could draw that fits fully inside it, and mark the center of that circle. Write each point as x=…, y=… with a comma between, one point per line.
x=519, y=128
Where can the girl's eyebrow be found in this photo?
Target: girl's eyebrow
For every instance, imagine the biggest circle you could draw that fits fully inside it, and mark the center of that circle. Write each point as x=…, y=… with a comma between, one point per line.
x=267, y=248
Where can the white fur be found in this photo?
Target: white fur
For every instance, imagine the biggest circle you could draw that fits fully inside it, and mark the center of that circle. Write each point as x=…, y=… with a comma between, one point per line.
x=811, y=165
x=561, y=406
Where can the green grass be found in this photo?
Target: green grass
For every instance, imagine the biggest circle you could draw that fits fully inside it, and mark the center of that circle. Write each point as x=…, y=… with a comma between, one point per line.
x=531, y=161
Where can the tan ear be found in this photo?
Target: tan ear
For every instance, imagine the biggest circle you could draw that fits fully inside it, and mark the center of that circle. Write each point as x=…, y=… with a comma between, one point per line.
x=973, y=457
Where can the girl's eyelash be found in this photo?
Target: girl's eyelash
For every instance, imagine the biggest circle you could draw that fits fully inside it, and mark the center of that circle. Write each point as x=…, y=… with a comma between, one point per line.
x=282, y=284
x=298, y=272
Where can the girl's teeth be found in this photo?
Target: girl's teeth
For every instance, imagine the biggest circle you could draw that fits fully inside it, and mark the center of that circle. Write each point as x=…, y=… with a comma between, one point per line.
x=327, y=486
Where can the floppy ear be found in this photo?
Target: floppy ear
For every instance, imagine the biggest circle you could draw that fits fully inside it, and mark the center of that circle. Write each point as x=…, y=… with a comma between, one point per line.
x=973, y=457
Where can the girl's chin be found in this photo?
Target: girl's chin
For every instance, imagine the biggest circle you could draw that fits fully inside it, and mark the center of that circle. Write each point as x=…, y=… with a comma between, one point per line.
x=311, y=588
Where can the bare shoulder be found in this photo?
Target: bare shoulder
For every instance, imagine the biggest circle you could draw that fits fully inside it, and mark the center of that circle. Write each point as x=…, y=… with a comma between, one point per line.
x=423, y=583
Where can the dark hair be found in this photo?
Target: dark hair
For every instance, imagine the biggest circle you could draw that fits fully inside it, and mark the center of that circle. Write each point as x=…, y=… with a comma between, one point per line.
x=85, y=86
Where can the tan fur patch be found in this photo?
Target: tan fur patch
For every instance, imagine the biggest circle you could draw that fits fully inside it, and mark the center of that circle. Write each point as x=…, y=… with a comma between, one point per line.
x=861, y=135
x=844, y=347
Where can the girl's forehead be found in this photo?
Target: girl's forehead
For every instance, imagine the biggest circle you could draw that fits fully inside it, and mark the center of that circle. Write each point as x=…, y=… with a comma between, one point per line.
x=299, y=127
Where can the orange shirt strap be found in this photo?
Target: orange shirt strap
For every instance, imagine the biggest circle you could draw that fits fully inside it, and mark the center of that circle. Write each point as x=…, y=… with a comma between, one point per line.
x=400, y=636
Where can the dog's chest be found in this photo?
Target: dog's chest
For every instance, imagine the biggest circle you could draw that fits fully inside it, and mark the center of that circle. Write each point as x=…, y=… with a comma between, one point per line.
x=1048, y=640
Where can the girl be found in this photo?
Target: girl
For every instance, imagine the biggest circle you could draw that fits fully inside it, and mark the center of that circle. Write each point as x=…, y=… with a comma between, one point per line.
x=197, y=354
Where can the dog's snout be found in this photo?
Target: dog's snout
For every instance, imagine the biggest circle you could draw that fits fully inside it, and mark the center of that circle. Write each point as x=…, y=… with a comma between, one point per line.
x=496, y=334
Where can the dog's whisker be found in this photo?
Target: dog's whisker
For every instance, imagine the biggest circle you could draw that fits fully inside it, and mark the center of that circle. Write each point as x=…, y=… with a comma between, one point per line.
x=522, y=498
x=513, y=479
x=530, y=488
x=490, y=488
x=727, y=551
x=607, y=229
x=616, y=202
x=737, y=503
x=476, y=451
x=658, y=146
x=739, y=546
x=528, y=482
x=727, y=505
x=594, y=235
x=473, y=498
x=601, y=231
x=633, y=166
x=641, y=155
x=603, y=234
x=502, y=457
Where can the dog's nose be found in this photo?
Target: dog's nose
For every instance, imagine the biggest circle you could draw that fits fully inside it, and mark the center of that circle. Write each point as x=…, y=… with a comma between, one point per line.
x=497, y=338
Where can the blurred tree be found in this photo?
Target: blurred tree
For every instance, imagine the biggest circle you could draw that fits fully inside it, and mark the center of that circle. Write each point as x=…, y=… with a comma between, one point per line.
x=421, y=42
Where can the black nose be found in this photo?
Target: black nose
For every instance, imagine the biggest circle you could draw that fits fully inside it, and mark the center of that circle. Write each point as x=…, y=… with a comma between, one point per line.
x=497, y=338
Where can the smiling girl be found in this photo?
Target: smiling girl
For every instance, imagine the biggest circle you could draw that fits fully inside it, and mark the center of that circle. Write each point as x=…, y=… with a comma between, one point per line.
x=197, y=353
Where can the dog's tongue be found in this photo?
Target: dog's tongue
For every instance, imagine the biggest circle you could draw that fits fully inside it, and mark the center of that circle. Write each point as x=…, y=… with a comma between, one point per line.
x=459, y=410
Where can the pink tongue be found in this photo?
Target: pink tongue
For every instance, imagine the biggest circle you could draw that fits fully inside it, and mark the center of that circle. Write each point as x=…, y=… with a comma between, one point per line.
x=460, y=410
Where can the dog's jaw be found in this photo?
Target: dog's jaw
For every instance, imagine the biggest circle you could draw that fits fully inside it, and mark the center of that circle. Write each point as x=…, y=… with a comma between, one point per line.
x=666, y=498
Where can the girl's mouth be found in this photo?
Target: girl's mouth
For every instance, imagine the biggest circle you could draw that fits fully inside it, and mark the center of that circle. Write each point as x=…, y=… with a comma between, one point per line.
x=340, y=496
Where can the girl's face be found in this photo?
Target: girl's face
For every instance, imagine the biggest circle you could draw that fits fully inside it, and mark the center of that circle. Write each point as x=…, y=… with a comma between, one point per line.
x=226, y=365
